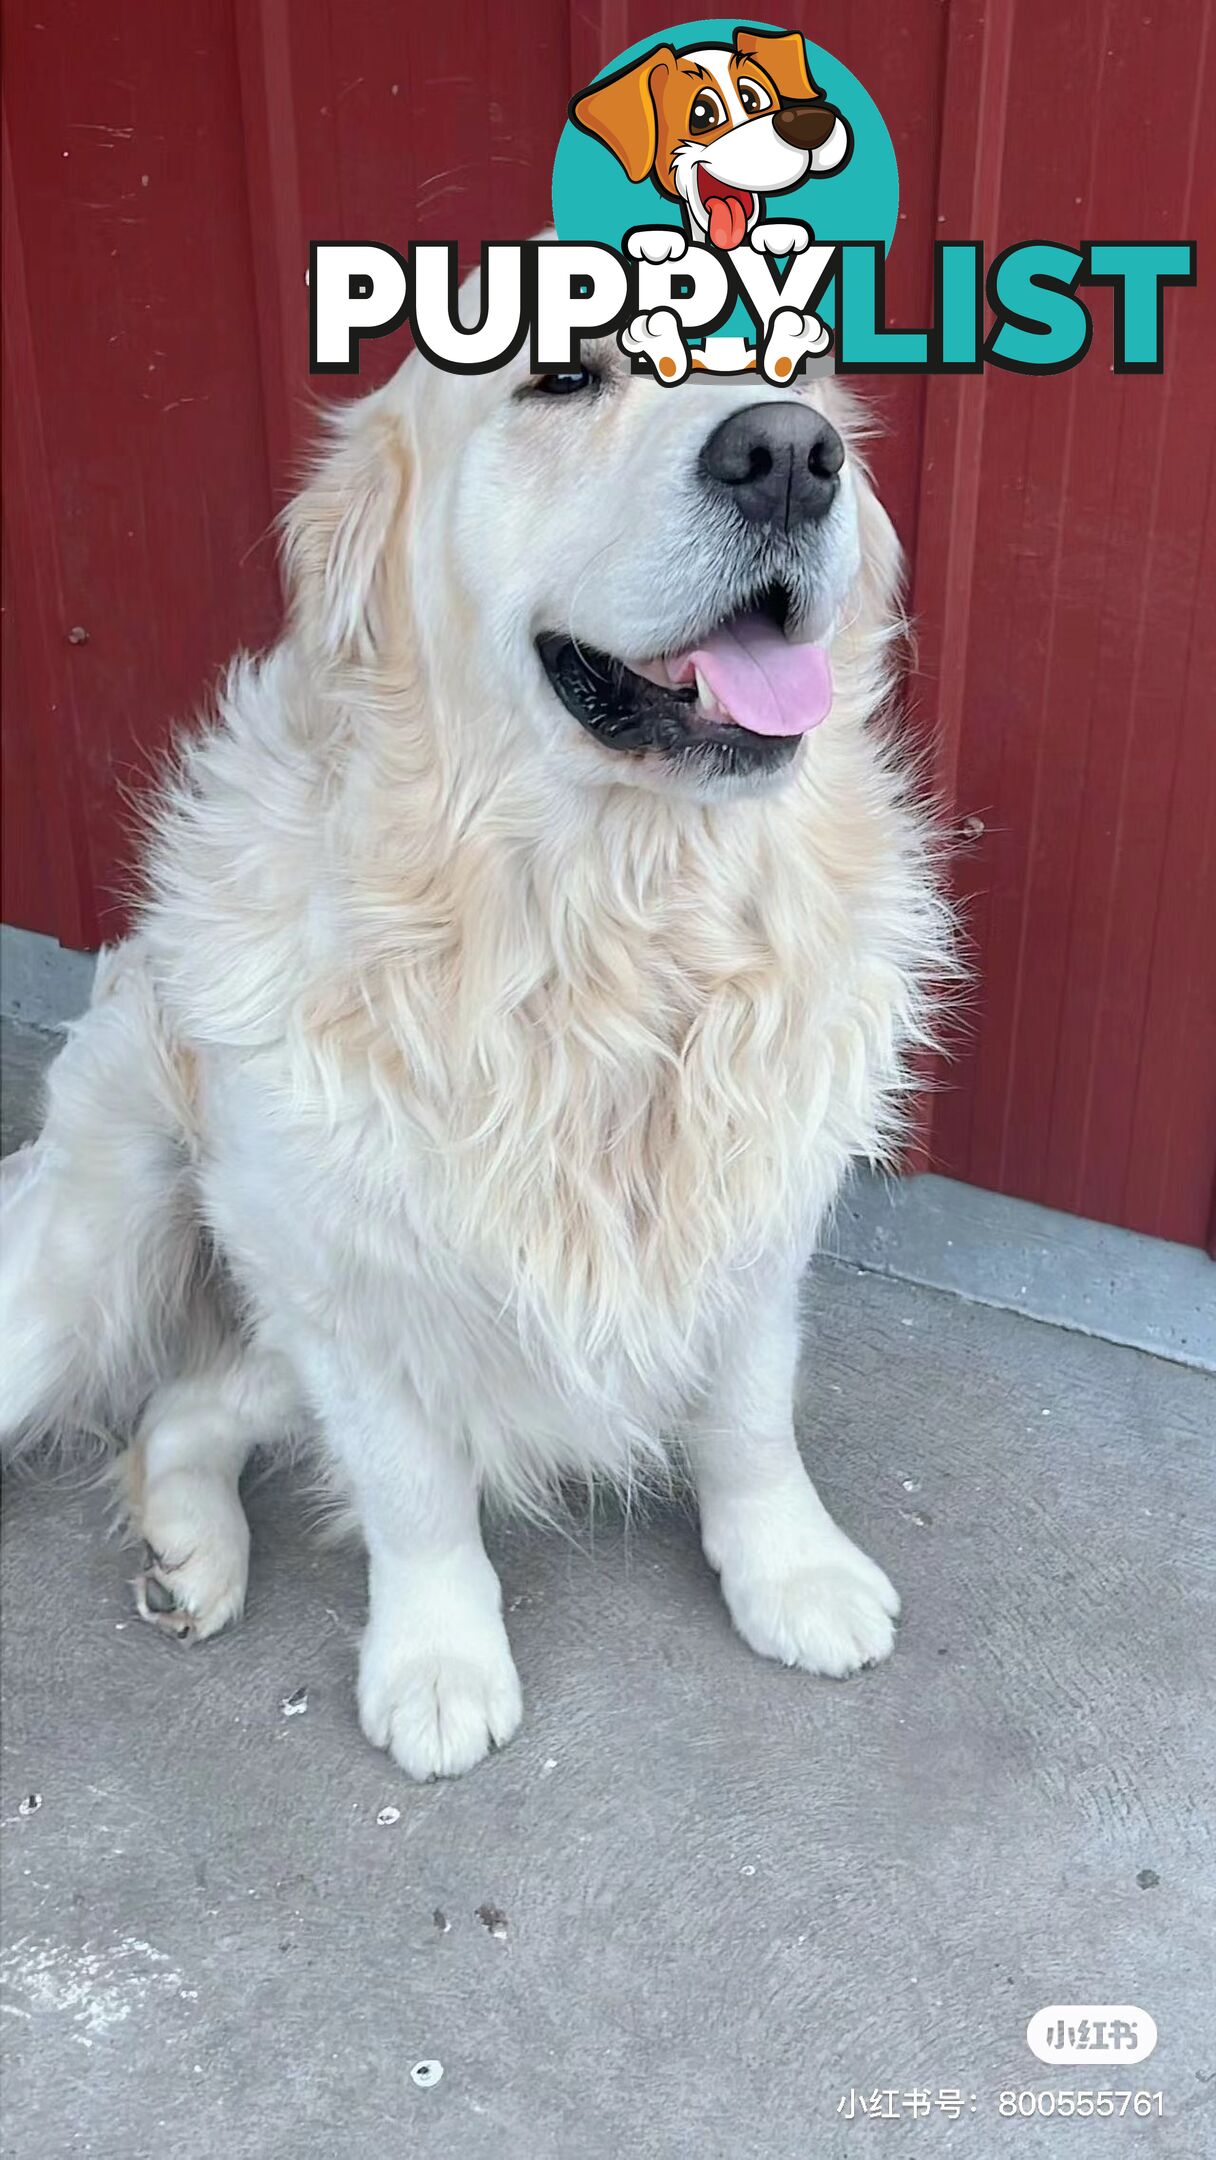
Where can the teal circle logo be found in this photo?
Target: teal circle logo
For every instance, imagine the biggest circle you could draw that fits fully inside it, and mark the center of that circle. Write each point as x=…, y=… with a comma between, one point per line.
x=613, y=172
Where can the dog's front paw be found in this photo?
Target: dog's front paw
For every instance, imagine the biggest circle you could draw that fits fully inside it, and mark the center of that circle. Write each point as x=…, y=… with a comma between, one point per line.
x=797, y=1588
x=657, y=244
x=834, y=1618
x=792, y=338
x=776, y=239
x=438, y=1712
x=656, y=338
x=196, y=1547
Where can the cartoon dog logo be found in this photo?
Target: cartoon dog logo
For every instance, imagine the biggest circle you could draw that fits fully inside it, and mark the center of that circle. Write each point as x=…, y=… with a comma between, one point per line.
x=719, y=128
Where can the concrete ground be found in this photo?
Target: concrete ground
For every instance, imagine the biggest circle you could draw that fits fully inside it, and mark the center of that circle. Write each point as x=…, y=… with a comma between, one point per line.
x=700, y=1902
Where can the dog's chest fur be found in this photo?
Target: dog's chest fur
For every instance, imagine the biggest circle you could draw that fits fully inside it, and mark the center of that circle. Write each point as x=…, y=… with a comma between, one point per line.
x=605, y=1103
x=568, y=1094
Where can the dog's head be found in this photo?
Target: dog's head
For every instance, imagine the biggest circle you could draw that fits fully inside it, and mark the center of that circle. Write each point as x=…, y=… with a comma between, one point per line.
x=718, y=127
x=595, y=577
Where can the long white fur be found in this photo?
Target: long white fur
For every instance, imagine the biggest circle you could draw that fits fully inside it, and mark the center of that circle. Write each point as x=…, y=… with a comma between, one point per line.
x=467, y=1091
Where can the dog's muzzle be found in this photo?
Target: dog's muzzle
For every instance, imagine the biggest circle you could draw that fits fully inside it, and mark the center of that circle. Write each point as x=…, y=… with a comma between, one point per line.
x=733, y=697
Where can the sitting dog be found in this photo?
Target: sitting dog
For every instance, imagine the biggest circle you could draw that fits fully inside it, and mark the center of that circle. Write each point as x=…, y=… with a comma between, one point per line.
x=530, y=941
x=719, y=128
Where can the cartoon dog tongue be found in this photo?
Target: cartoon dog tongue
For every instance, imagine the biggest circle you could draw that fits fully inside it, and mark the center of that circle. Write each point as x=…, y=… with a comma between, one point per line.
x=746, y=671
x=727, y=223
x=728, y=210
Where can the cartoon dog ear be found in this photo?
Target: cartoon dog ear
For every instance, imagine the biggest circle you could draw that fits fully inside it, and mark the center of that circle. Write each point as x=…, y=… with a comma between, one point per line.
x=782, y=55
x=621, y=111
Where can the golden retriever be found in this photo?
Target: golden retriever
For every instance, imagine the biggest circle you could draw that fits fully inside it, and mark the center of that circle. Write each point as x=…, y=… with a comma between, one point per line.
x=530, y=942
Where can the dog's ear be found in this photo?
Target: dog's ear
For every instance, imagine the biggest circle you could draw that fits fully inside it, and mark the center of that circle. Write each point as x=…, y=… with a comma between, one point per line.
x=782, y=55
x=621, y=111
x=338, y=534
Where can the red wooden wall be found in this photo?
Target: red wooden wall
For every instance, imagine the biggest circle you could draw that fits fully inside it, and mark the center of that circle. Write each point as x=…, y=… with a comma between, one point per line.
x=165, y=167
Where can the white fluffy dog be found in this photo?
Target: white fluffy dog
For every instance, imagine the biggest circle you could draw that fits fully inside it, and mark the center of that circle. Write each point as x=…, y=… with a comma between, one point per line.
x=520, y=968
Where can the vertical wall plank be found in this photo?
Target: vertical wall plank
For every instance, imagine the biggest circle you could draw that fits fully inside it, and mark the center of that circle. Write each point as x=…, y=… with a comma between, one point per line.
x=53, y=879
x=278, y=241
x=127, y=197
x=1063, y=525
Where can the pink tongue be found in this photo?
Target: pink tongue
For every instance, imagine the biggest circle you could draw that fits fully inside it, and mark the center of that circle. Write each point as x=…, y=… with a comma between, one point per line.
x=763, y=683
x=727, y=223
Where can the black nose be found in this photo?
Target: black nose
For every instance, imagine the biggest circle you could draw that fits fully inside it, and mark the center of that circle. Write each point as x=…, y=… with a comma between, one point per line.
x=778, y=463
x=806, y=127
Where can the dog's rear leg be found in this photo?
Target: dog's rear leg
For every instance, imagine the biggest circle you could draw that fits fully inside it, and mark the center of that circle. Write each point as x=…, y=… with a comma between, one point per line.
x=182, y=1478
x=101, y=1252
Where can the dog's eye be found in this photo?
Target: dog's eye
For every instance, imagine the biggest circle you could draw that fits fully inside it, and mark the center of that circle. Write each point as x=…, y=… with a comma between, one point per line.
x=565, y=385
x=753, y=97
x=707, y=112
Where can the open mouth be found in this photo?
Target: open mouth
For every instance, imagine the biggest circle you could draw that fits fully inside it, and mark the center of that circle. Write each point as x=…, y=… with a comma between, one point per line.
x=727, y=209
x=739, y=700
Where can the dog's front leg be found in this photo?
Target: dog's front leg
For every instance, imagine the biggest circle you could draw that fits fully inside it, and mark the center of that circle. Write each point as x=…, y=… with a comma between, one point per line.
x=772, y=238
x=437, y=1683
x=796, y=1587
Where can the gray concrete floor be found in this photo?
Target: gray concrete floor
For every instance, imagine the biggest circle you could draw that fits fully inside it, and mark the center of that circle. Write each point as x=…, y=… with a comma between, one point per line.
x=720, y=1896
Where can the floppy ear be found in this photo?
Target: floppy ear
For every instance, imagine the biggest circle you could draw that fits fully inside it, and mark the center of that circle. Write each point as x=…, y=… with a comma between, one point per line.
x=782, y=55
x=621, y=111
x=338, y=534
